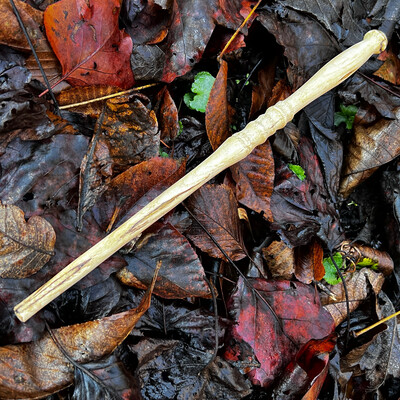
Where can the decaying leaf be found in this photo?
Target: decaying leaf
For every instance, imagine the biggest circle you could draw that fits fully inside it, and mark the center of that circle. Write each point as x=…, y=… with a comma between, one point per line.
x=216, y=208
x=370, y=148
x=25, y=246
x=87, y=41
x=179, y=359
x=36, y=369
x=358, y=286
x=167, y=115
x=254, y=177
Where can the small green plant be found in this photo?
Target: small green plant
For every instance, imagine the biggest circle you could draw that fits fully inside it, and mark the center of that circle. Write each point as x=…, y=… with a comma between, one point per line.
x=331, y=276
x=298, y=171
x=197, y=98
x=163, y=153
x=346, y=115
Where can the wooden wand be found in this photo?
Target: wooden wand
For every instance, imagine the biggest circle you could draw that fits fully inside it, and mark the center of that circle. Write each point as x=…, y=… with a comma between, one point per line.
x=234, y=149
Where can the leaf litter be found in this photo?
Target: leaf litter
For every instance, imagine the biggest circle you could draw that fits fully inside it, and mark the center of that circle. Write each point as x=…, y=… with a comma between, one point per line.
x=270, y=331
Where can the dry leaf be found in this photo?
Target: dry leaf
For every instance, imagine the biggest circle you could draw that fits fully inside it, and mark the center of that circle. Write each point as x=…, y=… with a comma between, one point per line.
x=280, y=260
x=370, y=148
x=24, y=246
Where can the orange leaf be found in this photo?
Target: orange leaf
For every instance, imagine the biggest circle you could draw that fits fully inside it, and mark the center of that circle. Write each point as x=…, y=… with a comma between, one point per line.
x=217, y=111
x=86, y=39
x=308, y=262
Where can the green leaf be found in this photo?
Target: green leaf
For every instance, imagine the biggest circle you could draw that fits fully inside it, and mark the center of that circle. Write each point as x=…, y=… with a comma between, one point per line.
x=331, y=275
x=345, y=115
x=200, y=91
x=367, y=262
x=296, y=169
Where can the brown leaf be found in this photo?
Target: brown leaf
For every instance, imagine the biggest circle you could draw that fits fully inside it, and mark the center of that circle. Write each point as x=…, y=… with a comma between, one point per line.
x=370, y=148
x=280, y=260
x=254, y=177
x=217, y=111
x=390, y=70
x=129, y=135
x=308, y=262
x=281, y=91
x=85, y=93
x=216, y=209
x=10, y=31
x=24, y=246
x=182, y=274
x=138, y=185
x=167, y=115
x=358, y=284
x=262, y=92
x=37, y=369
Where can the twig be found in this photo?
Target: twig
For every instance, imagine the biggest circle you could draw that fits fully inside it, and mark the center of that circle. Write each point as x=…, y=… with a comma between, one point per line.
x=234, y=149
x=362, y=331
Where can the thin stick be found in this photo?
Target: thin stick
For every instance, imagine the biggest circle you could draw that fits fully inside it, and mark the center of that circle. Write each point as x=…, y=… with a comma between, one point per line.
x=362, y=331
x=230, y=152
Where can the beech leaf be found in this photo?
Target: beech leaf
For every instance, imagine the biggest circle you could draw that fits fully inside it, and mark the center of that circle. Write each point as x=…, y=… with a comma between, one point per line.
x=216, y=208
x=24, y=246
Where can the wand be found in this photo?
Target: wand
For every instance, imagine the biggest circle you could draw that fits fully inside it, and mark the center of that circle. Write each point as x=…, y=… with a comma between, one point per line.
x=234, y=149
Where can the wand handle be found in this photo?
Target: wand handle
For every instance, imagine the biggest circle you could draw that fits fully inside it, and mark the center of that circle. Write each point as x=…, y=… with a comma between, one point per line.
x=230, y=152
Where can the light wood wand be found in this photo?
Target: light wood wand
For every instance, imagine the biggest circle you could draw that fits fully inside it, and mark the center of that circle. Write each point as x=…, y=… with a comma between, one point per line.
x=230, y=152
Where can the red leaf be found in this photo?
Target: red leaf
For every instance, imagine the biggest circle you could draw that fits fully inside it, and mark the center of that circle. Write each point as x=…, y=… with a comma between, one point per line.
x=85, y=38
x=275, y=343
x=217, y=113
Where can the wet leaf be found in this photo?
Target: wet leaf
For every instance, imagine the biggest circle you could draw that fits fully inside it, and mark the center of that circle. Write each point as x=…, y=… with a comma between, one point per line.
x=358, y=286
x=197, y=98
x=308, y=264
x=127, y=134
x=390, y=69
x=292, y=33
x=254, y=177
x=182, y=274
x=132, y=189
x=24, y=368
x=37, y=175
x=25, y=245
x=370, y=148
x=216, y=208
x=305, y=376
x=302, y=209
x=217, y=112
x=10, y=31
x=275, y=342
x=201, y=380
x=116, y=381
x=87, y=41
